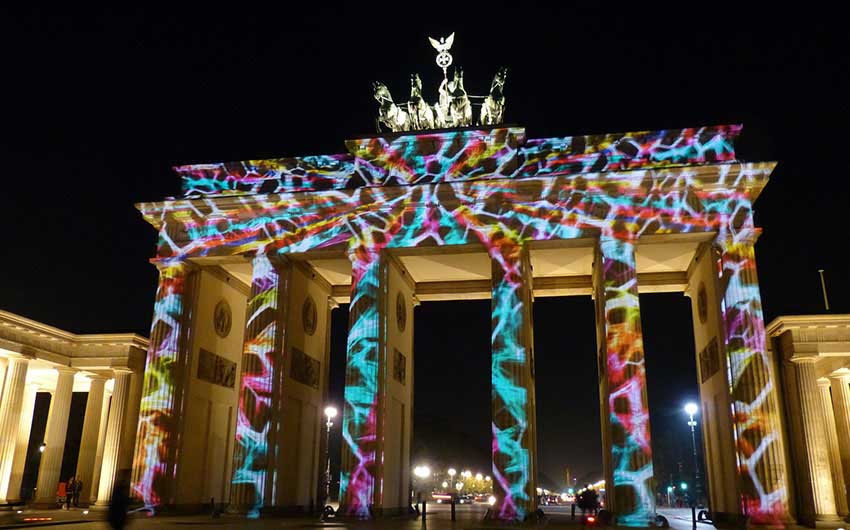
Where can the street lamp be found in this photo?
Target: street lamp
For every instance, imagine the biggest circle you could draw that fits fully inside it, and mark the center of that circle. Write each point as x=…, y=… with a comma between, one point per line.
x=330, y=414
x=691, y=409
x=422, y=472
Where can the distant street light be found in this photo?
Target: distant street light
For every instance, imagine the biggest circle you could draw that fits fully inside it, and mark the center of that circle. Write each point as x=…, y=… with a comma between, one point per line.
x=445, y=484
x=452, y=472
x=487, y=478
x=422, y=472
x=684, y=486
x=479, y=476
x=330, y=414
x=691, y=410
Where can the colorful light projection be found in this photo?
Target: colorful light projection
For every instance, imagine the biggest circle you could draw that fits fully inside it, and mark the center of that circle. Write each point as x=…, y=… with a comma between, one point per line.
x=621, y=186
x=360, y=416
x=262, y=363
x=500, y=153
x=755, y=407
x=633, y=497
x=153, y=463
x=510, y=375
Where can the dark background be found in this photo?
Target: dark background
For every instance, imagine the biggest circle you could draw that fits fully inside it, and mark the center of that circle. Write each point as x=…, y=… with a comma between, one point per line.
x=98, y=105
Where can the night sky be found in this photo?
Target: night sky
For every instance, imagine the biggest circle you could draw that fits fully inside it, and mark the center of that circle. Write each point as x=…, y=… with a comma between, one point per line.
x=99, y=105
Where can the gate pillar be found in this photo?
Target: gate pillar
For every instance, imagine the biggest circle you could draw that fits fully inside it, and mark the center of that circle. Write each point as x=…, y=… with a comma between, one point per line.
x=377, y=415
x=259, y=409
x=512, y=376
x=163, y=394
x=762, y=489
x=627, y=456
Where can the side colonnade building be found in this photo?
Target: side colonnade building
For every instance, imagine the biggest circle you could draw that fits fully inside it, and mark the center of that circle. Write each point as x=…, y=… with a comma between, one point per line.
x=256, y=254
x=38, y=358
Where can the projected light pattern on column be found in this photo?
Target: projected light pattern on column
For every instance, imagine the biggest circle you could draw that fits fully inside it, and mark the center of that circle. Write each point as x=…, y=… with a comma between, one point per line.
x=484, y=186
x=360, y=416
x=160, y=399
x=509, y=368
x=633, y=495
x=755, y=407
x=262, y=363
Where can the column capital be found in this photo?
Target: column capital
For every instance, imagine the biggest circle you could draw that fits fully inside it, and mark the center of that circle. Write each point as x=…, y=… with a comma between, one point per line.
x=164, y=263
x=121, y=370
x=65, y=370
x=841, y=374
x=805, y=358
x=97, y=377
x=823, y=382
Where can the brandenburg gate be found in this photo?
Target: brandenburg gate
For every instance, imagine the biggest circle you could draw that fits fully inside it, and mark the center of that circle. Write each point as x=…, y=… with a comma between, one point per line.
x=256, y=254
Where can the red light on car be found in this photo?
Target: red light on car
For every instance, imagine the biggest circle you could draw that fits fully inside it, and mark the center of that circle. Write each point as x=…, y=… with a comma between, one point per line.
x=591, y=519
x=34, y=519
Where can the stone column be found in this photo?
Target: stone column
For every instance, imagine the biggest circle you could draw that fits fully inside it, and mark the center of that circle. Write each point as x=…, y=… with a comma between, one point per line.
x=625, y=407
x=4, y=364
x=259, y=387
x=365, y=370
x=512, y=384
x=828, y=419
x=10, y=420
x=840, y=385
x=89, y=439
x=760, y=450
x=814, y=436
x=54, y=439
x=162, y=404
x=112, y=446
x=23, y=441
x=101, y=441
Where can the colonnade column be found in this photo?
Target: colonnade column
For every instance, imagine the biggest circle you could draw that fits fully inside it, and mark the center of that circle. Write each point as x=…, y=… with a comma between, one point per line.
x=11, y=403
x=627, y=460
x=20, y=460
x=163, y=400
x=828, y=419
x=54, y=439
x=259, y=391
x=101, y=441
x=112, y=446
x=89, y=439
x=364, y=368
x=814, y=437
x=760, y=452
x=512, y=384
x=840, y=384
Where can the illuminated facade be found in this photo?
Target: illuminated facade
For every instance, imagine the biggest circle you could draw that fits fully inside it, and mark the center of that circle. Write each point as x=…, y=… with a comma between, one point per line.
x=469, y=213
x=38, y=359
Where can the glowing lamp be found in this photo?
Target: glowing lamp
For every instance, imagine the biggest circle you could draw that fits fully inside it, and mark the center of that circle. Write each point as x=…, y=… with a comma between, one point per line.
x=491, y=500
x=683, y=485
x=691, y=408
x=330, y=412
x=422, y=471
x=479, y=476
x=42, y=447
x=452, y=472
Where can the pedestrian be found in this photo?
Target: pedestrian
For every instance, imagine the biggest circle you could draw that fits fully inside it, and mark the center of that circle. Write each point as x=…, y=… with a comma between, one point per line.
x=78, y=490
x=120, y=500
x=69, y=493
